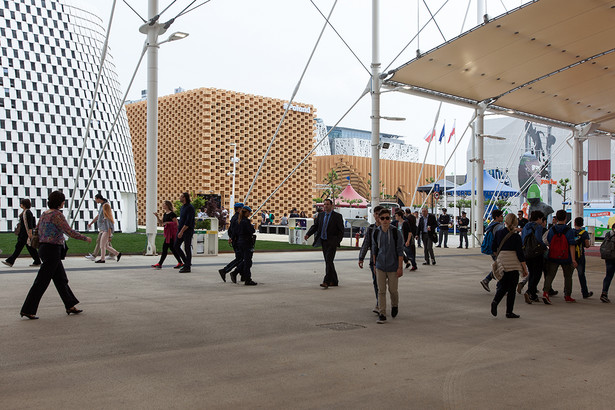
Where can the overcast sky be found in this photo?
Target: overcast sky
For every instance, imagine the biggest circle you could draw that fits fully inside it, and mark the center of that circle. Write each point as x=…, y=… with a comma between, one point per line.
x=261, y=47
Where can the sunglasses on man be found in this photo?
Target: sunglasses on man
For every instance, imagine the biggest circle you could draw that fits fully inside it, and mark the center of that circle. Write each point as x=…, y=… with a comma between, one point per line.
x=385, y=218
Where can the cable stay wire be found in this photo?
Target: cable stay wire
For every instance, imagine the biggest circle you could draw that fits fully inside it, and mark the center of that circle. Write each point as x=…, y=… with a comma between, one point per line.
x=434, y=20
x=194, y=8
x=135, y=11
x=166, y=8
x=465, y=17
x=288, y=105
x=365, y=92
x=341, y=38
x=418, y=180
x=110, y=132
x=103, y=56
x=415, y=36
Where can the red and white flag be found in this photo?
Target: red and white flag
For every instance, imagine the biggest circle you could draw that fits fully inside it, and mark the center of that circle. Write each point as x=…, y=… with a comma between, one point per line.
x=430, y=135
x=452, y=132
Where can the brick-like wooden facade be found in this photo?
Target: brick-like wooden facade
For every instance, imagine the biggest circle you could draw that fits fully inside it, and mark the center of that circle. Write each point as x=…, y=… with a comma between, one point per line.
x=194, y=130
x=393, y=174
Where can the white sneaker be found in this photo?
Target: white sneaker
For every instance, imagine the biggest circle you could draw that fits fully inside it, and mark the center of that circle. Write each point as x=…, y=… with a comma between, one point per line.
x=90, y=257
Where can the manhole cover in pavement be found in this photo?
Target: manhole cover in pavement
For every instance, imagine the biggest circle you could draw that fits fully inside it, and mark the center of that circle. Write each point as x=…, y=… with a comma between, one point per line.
x=340, y=326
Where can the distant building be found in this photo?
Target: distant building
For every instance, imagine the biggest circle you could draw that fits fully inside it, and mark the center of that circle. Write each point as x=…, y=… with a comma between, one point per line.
x=50, y=53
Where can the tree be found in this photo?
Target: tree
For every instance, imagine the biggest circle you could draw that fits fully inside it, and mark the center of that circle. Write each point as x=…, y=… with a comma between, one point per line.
x=563, y=186
x=333, y=189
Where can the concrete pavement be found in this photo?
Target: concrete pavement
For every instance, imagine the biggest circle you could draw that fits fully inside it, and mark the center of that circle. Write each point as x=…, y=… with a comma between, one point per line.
x=160, y=339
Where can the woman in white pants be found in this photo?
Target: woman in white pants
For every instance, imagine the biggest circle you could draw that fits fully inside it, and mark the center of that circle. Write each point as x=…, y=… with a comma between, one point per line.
x=105, y=226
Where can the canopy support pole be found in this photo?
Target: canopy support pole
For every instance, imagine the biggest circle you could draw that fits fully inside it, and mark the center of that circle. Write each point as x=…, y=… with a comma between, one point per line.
x=480, y=164
x=577, y=174
x=375, y=66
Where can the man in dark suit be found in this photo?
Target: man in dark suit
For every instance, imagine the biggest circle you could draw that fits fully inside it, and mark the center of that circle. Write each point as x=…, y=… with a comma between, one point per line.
x=329, y=230
x=427, y=230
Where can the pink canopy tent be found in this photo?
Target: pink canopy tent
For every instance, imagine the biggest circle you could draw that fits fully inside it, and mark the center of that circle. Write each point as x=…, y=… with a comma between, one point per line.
x=349, y=194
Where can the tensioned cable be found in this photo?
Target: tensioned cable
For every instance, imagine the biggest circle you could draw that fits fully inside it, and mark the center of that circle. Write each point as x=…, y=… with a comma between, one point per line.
x=365, y=92
x=415, y=36
x=117, y=116
x=289, y=104
x=451, y=156
x=434, y=20
x=166, y=8
x=465, y=16
x=503, y=5
x=137, y=13
x=341, y=38
x=103, y=56
x=431, y=138
x=195, y=7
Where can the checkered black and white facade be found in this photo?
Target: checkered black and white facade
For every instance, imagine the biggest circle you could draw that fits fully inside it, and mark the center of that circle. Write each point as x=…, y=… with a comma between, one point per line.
x=49, y=53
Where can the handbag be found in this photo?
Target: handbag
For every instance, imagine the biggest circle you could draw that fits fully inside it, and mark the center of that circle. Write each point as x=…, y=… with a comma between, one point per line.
x=34, y=241
x=17, y=230
x=497, y=267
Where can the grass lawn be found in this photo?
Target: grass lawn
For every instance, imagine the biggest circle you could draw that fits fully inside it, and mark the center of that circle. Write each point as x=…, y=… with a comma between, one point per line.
x=134, y=244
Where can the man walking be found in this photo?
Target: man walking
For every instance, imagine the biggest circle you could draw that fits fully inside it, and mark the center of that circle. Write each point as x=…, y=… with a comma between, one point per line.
x=408, y=231
x=427, y=228
x=464, y=223
x=581, y=242
x=232, y=240
x=444, y=222
x=418, y=236
x=329, y=230
x=185, y=231
x=388, y=258
x=367, y=246
x=561, y=253
x=496, y=224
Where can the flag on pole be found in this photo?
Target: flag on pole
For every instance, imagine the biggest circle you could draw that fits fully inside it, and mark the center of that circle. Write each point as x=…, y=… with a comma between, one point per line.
x=442, y=133
x=430, y=135
x=452, y=132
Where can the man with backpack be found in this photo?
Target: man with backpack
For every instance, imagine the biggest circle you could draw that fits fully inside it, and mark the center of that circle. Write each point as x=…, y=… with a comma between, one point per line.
x=581, y=239
x=388, y=256
x=497, y=223
x=533, y=250
x=607, y=252
x=367, y=246
x=561, y=253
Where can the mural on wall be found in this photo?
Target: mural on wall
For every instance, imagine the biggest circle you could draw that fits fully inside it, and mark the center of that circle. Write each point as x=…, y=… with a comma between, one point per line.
x=535, y=167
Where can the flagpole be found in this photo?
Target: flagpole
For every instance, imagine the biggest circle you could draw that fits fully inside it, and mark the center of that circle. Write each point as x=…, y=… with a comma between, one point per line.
x=445, y=161
x=455, y=179
x=435, y=173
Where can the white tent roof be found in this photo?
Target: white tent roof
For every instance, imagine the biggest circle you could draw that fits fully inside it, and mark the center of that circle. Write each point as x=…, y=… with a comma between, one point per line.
x=550, y=59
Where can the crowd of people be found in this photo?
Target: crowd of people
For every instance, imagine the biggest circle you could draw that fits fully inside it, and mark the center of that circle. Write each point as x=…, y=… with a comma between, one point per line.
x=519, y=249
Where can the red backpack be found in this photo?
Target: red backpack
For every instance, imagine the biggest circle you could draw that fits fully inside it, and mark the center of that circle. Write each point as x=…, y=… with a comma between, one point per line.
x=559, y=247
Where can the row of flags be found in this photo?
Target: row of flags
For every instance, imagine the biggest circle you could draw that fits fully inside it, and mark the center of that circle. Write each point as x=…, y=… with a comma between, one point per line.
x=431, y=134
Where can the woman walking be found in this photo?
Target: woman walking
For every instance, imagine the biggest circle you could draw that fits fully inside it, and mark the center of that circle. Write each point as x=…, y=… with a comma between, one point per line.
x=246, y=246
x=26, y=224
x=510, y=254
x=51, y=229
x=610, y=269
x=169, y=222
x=105, y=226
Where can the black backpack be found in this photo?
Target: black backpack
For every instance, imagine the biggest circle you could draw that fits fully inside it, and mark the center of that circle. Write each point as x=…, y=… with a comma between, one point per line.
x=532, y=248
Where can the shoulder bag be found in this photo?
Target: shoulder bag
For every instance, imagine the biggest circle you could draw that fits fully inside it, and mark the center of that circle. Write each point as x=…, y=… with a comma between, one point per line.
x=497, y=267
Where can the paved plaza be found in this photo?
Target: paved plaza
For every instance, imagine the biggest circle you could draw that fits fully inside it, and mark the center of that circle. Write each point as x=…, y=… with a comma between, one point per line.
x=160, y=339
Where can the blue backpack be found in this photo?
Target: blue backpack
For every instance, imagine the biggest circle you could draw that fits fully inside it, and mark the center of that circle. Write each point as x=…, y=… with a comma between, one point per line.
x=487, y=246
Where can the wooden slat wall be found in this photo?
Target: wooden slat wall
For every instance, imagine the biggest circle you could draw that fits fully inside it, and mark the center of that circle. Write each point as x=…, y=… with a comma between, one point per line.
x=393, y=174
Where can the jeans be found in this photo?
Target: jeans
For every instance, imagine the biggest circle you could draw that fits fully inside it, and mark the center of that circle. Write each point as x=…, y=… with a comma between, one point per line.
x=507, y=287
x=410, y=252
x=51, y=269
x=186, y=239
x=581, y=274
x=610, y=270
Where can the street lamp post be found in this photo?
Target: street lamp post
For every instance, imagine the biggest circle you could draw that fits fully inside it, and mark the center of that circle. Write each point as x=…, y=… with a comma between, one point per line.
x=153, y=29
x=234, y=161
